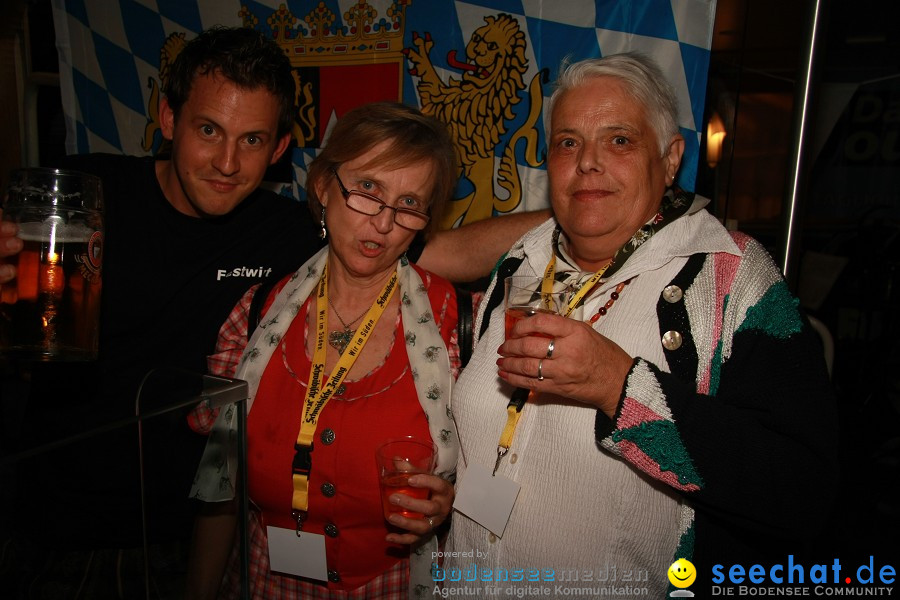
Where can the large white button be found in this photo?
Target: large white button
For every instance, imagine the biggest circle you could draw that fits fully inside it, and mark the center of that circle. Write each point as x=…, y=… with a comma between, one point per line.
x=672, y=294
x=671, y=340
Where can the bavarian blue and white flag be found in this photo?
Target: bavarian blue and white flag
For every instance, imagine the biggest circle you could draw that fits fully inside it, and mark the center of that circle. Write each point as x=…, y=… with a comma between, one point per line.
x=485, y=67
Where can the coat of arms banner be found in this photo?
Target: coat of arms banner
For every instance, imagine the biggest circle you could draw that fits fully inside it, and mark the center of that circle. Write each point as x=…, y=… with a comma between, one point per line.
x=485, y=67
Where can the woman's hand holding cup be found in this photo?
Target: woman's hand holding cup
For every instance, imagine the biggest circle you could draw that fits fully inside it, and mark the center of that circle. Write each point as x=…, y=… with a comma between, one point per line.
x=412, y=497
x=434, y=511
x=546, y=352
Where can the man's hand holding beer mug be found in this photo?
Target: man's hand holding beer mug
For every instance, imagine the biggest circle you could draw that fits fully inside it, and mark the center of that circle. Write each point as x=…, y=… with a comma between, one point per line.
x=52, y=310
x=9, y=245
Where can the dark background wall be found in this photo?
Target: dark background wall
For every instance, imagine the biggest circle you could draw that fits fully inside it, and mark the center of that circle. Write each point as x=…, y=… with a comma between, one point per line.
x=847, y=251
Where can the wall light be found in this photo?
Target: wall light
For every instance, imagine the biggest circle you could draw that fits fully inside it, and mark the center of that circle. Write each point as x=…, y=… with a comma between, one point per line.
x=715, y=137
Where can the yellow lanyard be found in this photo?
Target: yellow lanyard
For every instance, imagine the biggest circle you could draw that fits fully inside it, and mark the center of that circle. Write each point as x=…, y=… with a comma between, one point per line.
x=575, y=300
x=521, y=396
x=318, y=395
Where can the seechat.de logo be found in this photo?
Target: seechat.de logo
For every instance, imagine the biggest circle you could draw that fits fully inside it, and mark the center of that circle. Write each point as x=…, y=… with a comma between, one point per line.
x=871, y=578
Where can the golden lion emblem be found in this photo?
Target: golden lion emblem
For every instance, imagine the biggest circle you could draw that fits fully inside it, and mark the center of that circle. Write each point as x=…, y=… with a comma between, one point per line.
x=476, y=109
x=172, y=46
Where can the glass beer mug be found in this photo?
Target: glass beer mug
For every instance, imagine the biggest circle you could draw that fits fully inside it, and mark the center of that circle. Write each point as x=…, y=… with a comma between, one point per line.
x=50, y=311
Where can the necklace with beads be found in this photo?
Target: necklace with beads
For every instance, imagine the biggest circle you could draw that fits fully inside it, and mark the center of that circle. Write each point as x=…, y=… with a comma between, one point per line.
x=338, y=339
x=613, y=296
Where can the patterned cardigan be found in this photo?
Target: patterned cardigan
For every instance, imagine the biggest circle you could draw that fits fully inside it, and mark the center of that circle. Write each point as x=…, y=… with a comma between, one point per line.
x=744, y=424
x=745, y=343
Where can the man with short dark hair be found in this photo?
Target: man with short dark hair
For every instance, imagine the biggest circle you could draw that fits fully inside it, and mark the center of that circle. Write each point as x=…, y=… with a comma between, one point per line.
x=185, y=236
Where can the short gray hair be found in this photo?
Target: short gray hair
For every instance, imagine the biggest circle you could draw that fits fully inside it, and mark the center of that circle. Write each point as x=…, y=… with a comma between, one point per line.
x=642, y=78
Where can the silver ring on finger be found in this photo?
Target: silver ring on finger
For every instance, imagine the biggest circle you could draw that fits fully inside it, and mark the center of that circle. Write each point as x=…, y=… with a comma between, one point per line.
x=430, y=522
x=540, y=376
x=550, y=348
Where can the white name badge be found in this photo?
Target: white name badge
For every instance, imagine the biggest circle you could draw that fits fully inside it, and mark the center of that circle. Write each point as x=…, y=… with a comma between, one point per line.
x=303, y=556
x=486, y=499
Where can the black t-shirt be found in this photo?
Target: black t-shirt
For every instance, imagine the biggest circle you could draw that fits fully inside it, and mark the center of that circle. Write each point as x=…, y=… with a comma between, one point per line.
x=169, y=282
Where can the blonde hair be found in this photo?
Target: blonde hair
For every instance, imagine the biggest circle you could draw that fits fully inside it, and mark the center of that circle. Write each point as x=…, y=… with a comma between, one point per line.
x=414, y=137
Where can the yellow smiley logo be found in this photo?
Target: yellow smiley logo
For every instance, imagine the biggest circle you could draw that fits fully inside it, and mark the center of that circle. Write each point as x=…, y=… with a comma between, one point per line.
x=682, y=573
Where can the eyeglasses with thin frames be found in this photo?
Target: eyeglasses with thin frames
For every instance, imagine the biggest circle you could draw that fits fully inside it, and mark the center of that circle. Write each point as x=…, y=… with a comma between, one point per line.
x=368, y=204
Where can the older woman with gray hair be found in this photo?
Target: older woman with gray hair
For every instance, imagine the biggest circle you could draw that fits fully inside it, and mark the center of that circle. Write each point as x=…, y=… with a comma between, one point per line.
x=681, y=410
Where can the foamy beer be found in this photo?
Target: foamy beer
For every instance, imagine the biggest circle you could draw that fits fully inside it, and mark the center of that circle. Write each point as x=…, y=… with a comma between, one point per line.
x=50, y=311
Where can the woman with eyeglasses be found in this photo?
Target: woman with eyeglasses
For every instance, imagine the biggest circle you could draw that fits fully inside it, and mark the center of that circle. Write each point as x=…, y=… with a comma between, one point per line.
x=356, y=347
